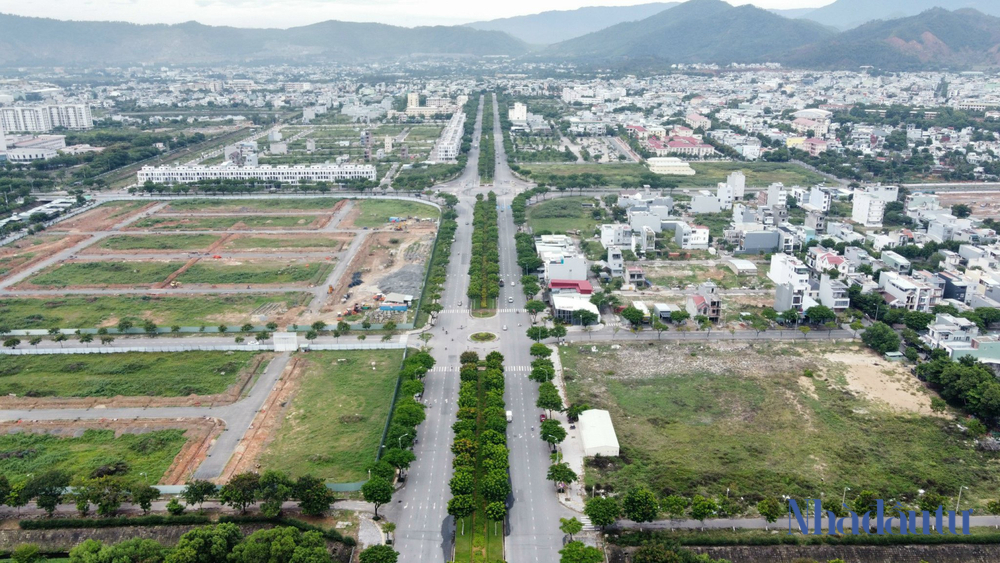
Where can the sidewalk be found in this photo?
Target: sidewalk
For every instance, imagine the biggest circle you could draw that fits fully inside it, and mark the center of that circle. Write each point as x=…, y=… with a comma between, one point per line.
x=572, y=447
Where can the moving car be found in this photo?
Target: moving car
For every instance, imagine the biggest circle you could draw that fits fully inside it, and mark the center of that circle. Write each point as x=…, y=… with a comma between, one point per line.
x=505, y=327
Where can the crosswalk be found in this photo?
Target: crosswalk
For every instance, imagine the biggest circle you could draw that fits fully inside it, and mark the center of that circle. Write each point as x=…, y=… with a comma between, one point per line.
x=587, y=524
x=465, y=311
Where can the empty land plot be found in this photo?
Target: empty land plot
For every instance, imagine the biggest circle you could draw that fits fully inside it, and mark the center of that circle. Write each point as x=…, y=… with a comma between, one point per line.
x=420, y=133
x=224, y=223
x=760, y=174
x=613, y=174
x=107, y=310
x=102, y=217
x=255, y=272
x=333, y=425
x=681, y=274
x=21, y=254
x=104, y=273
x=563, y=214
x=331, y=242
x=253, y=205
x=157, y=242
x=90, y=452
x=699, y=418
x=376, y=212
x=128, y=374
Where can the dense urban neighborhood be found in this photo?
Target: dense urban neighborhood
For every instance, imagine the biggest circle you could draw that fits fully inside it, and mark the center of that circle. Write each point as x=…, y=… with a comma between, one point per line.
x=579, y=286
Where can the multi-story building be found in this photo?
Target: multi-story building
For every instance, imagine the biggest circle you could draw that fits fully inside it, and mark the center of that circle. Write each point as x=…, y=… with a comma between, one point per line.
x=616, y=235
x=285, y=174
x=518, y=113
x=904, y=292
x=791, y=278
x=45, y=118
x=833, y=294
x=706, y=301
x=691, y=237
x=868, y=210
x=949, y=332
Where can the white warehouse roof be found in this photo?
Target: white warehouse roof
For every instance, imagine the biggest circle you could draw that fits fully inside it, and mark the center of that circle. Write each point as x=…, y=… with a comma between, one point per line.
x=598, y=434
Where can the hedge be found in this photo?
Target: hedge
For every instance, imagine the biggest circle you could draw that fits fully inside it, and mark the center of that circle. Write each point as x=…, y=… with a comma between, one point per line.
x=116, y=522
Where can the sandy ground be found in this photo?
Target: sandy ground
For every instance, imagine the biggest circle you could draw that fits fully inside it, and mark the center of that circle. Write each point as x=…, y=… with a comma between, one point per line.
x=265, y=425
x=976, y=201
x=101, y=218
x=200, y=433
x=342, y=238
x=24, y=253
x=231, y=395
x=884, y=382
x=377, y=259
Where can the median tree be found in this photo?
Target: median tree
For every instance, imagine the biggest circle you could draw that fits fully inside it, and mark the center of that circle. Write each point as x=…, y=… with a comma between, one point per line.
x=548, y=398
x=552, y=431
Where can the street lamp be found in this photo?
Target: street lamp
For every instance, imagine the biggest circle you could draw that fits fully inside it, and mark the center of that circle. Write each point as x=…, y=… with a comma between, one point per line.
x=959, y=497
x=401, y=440
x=843, y=498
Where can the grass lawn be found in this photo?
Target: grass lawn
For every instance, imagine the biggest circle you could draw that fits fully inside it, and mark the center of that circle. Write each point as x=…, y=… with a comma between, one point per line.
x=376, y=212
x=257, y=272
x=760, y=174
x=698, y=419
x=152, y=374
x=254, y=205
x=277, y=242
x=158, y=242
x=614, y=173
x=117, y=272
x=563, y=214
x=107, y=310
x=333, y=426
x=180, y=223
x=150, y=453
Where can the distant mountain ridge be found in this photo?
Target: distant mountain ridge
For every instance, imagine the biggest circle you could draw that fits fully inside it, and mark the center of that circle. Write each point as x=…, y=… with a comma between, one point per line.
x=35, y=41
x=848, y=14
x=554, y=26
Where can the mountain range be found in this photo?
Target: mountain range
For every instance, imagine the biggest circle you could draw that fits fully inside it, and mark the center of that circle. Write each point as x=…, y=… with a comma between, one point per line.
x=848, y=14
x=559, y=25
x=42, y=41
x=695, y=31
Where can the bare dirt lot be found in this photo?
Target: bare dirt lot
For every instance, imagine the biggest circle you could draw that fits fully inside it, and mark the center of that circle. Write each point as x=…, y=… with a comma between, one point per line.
x=881, y=381
x=23, y=254
x=983, y=204
x=327, y=242
x=104, y=217
x=392, y=261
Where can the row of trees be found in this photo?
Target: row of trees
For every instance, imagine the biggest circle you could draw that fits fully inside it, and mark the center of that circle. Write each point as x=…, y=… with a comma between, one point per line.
x=480, y=482
x=487, y=152
x=437, y=270
x=484, y=267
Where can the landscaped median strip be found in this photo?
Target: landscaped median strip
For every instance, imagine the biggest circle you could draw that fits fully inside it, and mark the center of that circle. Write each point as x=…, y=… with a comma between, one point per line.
x=481, y=483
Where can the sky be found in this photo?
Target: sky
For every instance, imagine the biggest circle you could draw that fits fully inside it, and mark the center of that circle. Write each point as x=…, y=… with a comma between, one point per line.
x=291, y=13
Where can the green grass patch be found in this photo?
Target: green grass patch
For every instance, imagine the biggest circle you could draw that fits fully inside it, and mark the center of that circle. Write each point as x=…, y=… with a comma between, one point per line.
x=563, y=214
x=106, y=310
x=158, y=242
x=254, y=205
x=333, y=426
x=153, y=374
x=613, y=173
x=278, y=242
x=760, y=174
x=181, y=223
x=483, y=337
x=376, y=212
x=150, y=453
x=701, y=419
x=98, y=273
x=255, y=272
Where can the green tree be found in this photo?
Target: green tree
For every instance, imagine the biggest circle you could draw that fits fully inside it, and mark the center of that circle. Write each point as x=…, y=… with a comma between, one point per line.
x=656, y=553
x=640, y=505
x=538, y=333
x=206, y=544
x=495, y=487
x=534, y=307
x=577, y=552
x=27, y=553
x=961, y=210
x=461, y=506
x=197, y=491
x=770, y=509
x=558, y=332
x=540, y=350
x=400, y=459
x=602, y=511
x=552, y=431
x=379, y=554
x=570, y=527
x=585, y=318
x=314, y=496
x=496, y=511
x=274, y=489
x=143, y=494
x=548, y=398
x=561, y=473
x=283, y=544
x=674, y=505
x=820, y=314
x=930, y=501
x=377, y=491
x=660, y=328
x=241, y=491
x=633, y=315
x=47, y=488
x=702, y=508
x=881, y=338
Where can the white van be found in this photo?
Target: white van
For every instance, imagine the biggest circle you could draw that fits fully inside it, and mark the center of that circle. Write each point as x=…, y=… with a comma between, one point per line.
x=510, y=416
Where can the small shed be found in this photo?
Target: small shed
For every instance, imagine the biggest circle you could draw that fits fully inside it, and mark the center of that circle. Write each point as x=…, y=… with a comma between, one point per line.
x=598, y=434
x=285, y=341
x=742, y=267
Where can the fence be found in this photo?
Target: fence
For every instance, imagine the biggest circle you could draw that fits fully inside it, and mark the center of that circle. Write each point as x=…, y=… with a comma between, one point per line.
x=397, y=345
x=231, y=330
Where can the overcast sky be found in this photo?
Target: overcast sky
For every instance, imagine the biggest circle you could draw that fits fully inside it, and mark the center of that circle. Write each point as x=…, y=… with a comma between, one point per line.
x=290, y=13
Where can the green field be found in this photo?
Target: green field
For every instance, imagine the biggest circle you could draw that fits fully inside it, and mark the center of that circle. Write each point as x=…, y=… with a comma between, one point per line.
x=117, y=272
x=563, y=214
x=158, y=242
x=760, y=174
x=153, y=374
x=699, y=419
x=334, y=423
x=150, y=453
x=183, y=223
x=376, y=212
x=276, y=242
x=253, y=205
x=96, y=311
x=255, y=272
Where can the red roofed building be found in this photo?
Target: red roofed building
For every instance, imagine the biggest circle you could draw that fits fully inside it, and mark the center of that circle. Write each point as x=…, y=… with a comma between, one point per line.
x=814, y=146
x=637, y=131
x=696, y=120
x=679, y=145
x=582, y=287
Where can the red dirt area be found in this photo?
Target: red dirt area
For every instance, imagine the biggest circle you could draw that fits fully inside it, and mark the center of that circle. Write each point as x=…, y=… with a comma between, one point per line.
x=30, y=250
x=103, y=217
